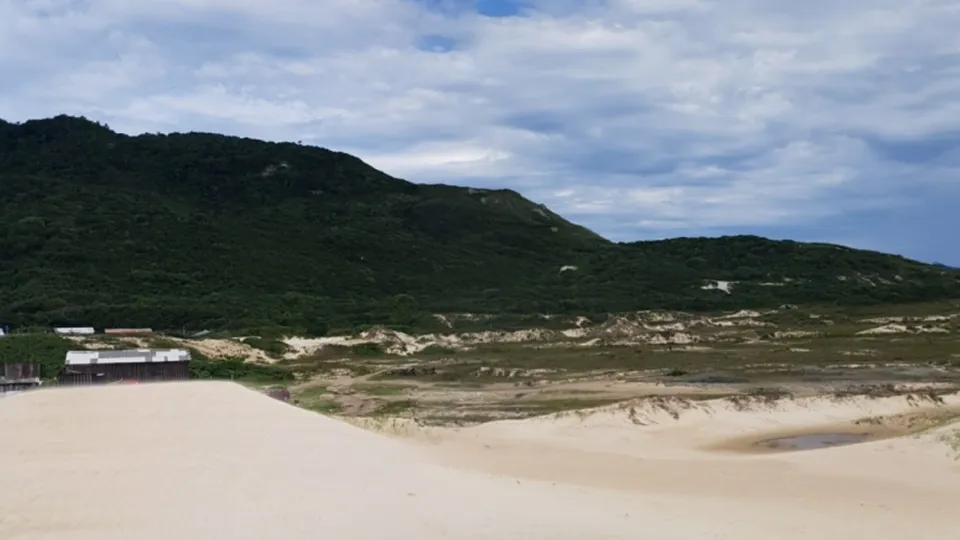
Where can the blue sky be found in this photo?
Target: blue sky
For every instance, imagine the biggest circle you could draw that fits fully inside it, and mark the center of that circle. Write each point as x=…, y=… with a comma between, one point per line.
x=834, y=121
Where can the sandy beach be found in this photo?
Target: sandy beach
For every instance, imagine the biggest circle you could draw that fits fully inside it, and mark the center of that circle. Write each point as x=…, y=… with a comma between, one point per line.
x=216, y=460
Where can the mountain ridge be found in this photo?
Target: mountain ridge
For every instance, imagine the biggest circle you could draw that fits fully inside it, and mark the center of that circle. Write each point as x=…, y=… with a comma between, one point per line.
x=212, y=231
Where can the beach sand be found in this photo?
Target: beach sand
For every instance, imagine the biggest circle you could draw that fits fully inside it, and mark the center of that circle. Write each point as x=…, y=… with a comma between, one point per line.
x=211, y=460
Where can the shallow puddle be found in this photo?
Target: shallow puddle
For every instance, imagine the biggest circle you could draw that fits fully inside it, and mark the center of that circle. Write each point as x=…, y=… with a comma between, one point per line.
x=813, y=441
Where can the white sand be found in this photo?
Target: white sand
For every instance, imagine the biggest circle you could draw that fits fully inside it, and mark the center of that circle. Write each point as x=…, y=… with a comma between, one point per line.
x=216, y=461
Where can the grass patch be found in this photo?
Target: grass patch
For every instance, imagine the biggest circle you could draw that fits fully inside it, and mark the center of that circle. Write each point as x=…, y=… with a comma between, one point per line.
x=461, y=421
x=318, y=364
x=550, y=406
x=316, y=398
x=447, y=372
x=396, y=408
x=47, y=350
x=382, y=389
x=366, y=350
x=108, y=342
x=437, y=350
x=237, y=369
x=725, y=355
x=154, y=342
x=760, y=395
x=273, y=347
x=323, y=407
x=331, y=355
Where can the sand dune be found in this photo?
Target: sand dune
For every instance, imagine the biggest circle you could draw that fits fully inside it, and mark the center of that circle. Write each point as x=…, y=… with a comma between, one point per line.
x=703, y=452
x=214, y=460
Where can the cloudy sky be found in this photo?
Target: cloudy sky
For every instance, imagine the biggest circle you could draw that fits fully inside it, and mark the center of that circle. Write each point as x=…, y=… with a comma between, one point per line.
x=826, y=120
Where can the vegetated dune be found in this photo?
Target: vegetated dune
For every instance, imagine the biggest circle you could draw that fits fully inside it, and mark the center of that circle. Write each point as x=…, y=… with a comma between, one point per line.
x=214, y=460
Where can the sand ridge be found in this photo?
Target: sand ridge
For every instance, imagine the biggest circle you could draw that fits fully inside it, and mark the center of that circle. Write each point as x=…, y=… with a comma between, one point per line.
x=215, y=460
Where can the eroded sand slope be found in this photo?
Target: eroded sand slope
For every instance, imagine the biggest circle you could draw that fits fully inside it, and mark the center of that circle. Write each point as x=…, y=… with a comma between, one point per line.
x=214, y=460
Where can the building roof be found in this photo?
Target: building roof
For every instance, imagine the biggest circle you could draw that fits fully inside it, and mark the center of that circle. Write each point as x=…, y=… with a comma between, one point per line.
x=128, y=356
x=75, y=330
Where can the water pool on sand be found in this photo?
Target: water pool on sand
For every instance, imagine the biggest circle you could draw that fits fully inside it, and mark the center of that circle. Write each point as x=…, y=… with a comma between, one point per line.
x=813, y=441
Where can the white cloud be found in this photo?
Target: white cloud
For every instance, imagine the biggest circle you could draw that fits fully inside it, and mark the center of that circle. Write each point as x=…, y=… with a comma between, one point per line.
x=642, y=115
x=466, y=159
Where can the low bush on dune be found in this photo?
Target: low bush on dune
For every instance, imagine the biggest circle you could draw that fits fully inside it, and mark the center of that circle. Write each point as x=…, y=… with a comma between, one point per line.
x=273, y=347
x=237, y=369
x=47, y=350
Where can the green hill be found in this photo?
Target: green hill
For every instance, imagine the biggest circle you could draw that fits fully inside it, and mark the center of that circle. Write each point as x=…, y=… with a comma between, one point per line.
x=209, y=231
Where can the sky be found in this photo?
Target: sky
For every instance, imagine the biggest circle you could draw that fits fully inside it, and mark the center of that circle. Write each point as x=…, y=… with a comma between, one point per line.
x=821, y=120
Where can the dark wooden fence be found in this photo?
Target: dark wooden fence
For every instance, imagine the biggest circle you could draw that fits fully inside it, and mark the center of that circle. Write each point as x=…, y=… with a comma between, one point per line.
x=16, y=377
x=6, y=386
x=15, y=372
x=143, y=371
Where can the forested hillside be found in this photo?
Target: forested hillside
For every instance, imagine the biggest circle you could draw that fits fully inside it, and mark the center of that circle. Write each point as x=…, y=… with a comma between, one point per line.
x=209, y=231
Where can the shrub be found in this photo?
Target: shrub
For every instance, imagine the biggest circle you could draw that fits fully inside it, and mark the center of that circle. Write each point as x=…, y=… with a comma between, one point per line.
x=47, y=350
x=237, y=369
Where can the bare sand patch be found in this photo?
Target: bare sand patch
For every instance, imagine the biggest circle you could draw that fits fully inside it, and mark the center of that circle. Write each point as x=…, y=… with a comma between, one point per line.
x=842, y=433
x=214, y=460
x=699, y=450
x=218, y=348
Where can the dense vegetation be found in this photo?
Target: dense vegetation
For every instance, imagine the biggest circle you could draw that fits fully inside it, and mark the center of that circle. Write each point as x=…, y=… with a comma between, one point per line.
x=201, y=231
x=47, y=350
x=237, y=369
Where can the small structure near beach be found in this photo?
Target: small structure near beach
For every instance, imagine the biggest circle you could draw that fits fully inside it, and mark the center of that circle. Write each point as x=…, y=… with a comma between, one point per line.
x=17, y=377
x=92, y=367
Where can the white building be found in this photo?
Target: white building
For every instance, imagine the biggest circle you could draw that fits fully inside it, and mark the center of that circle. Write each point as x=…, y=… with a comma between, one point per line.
x=83, y=330
x=92, y=367
x=128, y=356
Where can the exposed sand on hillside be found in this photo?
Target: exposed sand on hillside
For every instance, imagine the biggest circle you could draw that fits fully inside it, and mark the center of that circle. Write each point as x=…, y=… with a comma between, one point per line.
x=214, y=460
x=219, y=348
